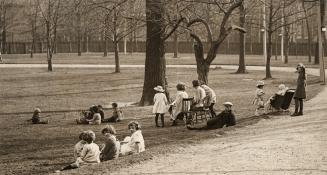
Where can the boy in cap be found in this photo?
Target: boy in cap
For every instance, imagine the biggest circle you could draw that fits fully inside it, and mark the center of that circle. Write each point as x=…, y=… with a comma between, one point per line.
x=224, y=118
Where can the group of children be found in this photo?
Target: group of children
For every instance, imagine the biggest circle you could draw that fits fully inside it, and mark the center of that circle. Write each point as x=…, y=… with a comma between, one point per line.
x=204, y=96
x=87, y=152
x=299, y=94
x=95, y=115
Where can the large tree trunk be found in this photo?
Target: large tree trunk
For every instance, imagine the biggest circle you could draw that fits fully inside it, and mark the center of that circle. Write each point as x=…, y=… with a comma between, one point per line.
x=202, y=67
x=269, y=45
x=241, y=64
x=155, y=64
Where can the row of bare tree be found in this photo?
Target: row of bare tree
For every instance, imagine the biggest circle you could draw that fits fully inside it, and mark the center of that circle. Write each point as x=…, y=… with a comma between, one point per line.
x=209, y=20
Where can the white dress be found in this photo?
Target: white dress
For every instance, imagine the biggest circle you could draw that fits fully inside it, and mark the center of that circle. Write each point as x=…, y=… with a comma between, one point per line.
x=179, y=103
x=130, y=146
x=160, y=103
x=199, y=96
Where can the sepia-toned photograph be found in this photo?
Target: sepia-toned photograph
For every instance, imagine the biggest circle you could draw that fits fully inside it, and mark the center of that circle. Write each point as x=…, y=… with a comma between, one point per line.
x=163, y=87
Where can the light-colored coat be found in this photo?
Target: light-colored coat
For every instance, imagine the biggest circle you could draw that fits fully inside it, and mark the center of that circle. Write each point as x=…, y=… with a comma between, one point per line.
x=258, y=99
x=199, y=96
x=179, y=103
x=160, y=103
x=210, y=94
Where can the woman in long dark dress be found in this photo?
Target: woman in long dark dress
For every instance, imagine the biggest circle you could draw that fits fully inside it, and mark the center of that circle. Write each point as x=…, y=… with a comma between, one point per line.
x=300, y=94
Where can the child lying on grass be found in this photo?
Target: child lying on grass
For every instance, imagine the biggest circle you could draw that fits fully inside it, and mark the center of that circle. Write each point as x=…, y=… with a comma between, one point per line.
x=135, y=143
x=225, y=118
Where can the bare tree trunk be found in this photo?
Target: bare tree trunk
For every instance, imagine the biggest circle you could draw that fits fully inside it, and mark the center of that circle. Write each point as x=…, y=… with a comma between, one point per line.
x=308, y=30
x=117, y=64
x=79, y=40
x=105, y=37
x=316, y=53
x=175, y=45
x=241, y=63
x=202, y=67
x=269, y=45
x=4, y=29
x=155, y=63
x=33, y=40
x=49, y=46
x=287, y=46
x=115, y=41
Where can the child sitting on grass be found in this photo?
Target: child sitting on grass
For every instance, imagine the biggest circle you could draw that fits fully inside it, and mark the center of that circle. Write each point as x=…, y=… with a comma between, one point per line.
x=112, y=145
x=90, y=153
x=135, y=143
x=79, y=145
x=36, y=119
x=95, y=120
x=117, y=114
x=258, y=99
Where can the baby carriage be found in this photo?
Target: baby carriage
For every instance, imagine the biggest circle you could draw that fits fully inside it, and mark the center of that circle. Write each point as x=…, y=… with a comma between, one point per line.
x=281, y=102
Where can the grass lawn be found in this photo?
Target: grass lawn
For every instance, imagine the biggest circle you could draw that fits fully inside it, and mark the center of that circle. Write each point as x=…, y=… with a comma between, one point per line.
x=139, y=58
x=40, y=149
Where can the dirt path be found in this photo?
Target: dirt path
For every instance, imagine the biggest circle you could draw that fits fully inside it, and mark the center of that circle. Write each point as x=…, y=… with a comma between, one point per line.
x=280, y=145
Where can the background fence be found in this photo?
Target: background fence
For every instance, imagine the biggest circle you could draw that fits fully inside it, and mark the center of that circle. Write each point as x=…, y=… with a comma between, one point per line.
x=183, y=47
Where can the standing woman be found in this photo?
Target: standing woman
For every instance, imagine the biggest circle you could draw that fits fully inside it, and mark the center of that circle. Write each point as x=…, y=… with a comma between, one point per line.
x=300, y=94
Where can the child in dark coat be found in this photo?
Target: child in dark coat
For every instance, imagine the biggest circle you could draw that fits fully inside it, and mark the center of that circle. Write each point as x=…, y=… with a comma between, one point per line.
x=300, y=93
x=225, y=118
x=36, y=119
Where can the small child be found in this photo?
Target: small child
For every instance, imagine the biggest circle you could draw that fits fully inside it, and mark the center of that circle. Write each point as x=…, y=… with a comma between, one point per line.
x=160, y=105
x=112, y=145
x=135, y=143
x=79, y=145
x=90, y=153
x=117, y=114
x=258, y=99
x=36, y=119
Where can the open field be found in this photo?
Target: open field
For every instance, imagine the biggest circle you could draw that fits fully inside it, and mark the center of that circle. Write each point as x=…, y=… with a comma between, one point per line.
x=40, y=149
x=139, y=58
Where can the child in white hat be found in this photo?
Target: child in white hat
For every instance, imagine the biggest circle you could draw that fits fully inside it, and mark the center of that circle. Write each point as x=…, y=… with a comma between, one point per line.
x=258, y=99
x=160, y=105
